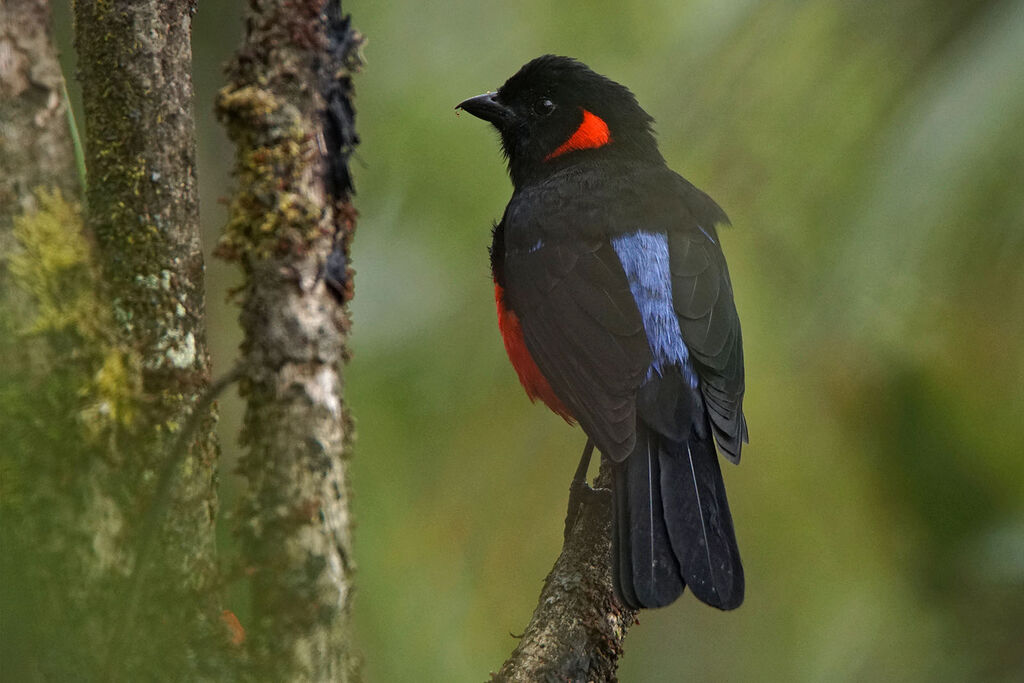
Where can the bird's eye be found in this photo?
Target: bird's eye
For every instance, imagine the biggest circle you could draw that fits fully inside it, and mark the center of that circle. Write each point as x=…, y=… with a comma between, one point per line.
x=543, y=107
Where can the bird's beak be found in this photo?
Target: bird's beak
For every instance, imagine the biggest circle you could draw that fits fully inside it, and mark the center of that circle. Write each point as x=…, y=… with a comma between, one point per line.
x=488, y=108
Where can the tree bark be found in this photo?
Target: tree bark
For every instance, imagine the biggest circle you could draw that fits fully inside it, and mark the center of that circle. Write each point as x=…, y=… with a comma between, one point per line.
x=287, y=107
x=45, y=274
x=35, y=148
x=576, y=631
x=36, y=153
x=136, y=72
x=102, y=329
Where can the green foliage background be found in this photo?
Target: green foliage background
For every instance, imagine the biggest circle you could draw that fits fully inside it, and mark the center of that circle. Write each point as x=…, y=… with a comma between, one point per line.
x=871, y=157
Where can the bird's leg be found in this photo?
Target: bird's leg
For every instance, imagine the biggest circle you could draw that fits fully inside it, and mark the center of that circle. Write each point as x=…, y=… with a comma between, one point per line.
x=578, y=489
x=581, y=470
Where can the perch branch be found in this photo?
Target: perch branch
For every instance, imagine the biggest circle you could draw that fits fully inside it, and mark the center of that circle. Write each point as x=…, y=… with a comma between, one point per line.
x=577, y=629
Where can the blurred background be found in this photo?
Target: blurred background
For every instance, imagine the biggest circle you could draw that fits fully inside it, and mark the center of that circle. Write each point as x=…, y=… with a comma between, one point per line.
x=871, y=157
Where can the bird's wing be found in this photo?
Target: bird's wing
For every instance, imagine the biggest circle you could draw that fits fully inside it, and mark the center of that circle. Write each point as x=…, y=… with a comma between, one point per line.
x=703, y=299
x=582, y=327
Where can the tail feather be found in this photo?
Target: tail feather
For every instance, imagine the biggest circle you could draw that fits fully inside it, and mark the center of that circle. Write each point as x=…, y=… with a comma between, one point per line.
x=672, y=526
x=645, y=568
x=699, y=522
x=622, y=558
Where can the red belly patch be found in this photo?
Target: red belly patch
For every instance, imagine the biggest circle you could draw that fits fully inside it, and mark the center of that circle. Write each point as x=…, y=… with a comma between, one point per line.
x=535, y=384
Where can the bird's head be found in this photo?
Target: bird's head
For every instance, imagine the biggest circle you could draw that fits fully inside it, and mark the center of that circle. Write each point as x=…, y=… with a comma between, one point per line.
x=555, y=112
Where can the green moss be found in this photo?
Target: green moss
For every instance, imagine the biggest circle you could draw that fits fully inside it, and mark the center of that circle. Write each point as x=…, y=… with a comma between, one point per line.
x=112, y=394
x=271, y=212
x=55, y=266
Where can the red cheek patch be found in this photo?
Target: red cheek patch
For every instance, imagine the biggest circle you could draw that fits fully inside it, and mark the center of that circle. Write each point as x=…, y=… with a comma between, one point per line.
x=593, y=132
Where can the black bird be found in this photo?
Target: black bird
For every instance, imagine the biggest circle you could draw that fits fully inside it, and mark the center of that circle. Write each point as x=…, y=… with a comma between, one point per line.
x=616, y=309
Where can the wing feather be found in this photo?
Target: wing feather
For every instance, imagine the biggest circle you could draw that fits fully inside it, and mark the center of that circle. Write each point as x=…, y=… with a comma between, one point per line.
x=584, y=331
x=703, y=300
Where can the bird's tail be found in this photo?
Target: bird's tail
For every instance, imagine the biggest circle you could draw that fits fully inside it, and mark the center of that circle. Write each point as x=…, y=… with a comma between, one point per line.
x=672, y=526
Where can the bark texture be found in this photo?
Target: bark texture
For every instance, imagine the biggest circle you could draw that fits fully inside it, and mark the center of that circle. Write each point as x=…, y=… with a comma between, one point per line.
x=287, y=107
x=35, y=146
x=45, y=273
x=135, y=67
x=101, y=329
x=136, y=72
x=576, y=631
x=36, y=154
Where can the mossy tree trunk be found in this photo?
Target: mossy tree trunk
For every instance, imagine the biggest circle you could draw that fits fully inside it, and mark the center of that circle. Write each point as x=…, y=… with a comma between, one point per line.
x=38, y=201
x=107, y=455
x=103, y=333
x=287, y=109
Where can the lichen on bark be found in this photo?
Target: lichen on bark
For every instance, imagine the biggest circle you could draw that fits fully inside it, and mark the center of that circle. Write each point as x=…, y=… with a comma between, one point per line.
x=135, y=66
x=270, y=214
x=105, y=326
x=54, y=522
x=289, y=228
x=54, y=266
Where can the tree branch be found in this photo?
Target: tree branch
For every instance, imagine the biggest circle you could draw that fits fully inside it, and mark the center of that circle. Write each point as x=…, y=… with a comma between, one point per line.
x=287, y=108
x=577, y=629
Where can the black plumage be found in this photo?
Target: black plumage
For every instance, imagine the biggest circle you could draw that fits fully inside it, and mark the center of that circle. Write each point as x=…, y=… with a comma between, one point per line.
x=651, y=366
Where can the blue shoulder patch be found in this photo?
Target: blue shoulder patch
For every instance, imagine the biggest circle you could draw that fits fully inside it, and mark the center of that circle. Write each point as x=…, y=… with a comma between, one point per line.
x=644, y=257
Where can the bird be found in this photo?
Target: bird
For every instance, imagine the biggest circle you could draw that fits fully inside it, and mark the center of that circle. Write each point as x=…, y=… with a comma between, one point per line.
x=616, y=310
